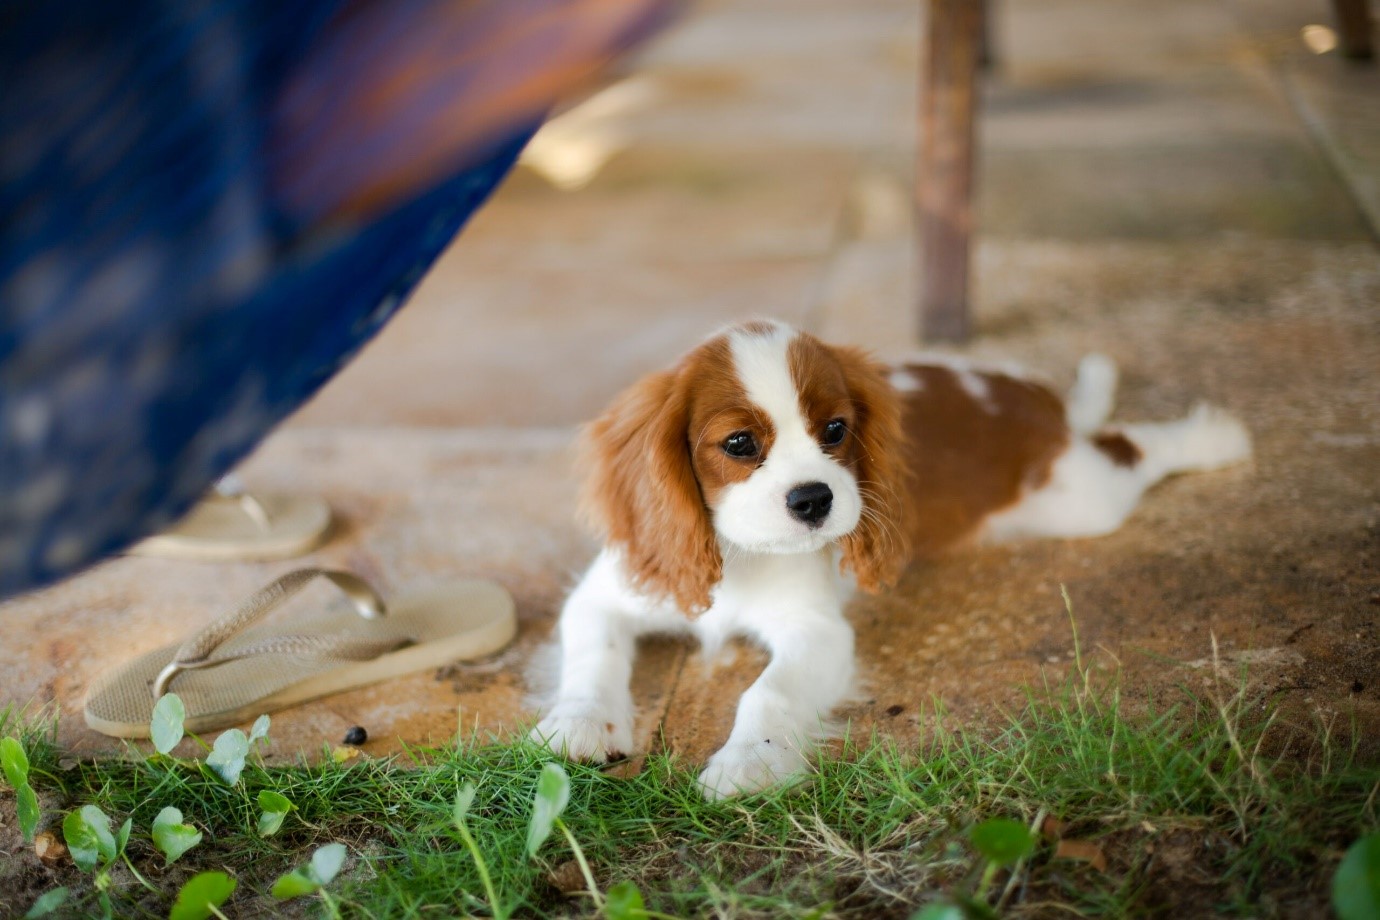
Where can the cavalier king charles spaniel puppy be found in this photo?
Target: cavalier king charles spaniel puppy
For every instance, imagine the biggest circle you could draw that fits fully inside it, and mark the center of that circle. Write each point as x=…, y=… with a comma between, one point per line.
x=750, y=488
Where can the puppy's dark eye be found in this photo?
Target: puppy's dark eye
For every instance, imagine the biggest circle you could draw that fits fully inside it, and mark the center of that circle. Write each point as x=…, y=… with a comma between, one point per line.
x=740, y=444
x=834, y=433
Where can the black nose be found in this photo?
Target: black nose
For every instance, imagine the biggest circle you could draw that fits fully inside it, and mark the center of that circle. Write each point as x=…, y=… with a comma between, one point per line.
x=810, y=502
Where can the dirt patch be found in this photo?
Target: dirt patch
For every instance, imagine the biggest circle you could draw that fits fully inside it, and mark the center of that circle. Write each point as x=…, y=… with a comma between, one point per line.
x=23, y=875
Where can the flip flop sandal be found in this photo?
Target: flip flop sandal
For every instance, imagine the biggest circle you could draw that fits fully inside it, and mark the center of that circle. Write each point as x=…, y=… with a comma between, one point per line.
x=231, y=525
x=237, y=668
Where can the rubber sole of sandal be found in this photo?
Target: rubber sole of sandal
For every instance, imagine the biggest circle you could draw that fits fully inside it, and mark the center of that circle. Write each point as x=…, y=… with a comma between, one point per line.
x=451, y=622
x=218, y=530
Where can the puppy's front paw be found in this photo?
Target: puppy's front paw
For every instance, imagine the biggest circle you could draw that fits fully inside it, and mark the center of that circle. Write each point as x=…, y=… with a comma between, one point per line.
x=585, y=732
x=742, y=768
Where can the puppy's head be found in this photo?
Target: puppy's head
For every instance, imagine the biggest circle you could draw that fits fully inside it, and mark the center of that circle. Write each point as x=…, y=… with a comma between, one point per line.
x=763, y=440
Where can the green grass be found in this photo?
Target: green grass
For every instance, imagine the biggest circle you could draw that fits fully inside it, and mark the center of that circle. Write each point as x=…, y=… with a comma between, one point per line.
x=1180, y=800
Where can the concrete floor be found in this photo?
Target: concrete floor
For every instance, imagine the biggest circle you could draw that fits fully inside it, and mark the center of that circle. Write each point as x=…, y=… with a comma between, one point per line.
x=1181, y=185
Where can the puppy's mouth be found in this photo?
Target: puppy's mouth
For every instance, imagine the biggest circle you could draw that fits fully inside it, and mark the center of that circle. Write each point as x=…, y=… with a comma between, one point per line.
x=791, y=544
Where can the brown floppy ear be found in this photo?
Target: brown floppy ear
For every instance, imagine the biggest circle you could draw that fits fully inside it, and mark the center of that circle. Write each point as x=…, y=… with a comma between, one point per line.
x=879, y=547
x=642, y=494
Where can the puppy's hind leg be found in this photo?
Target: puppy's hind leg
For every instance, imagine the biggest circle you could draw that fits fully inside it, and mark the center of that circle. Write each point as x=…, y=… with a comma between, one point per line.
x=1099, y=480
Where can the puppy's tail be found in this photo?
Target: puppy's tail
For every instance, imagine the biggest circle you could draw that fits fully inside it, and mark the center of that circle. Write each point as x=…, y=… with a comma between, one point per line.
x=1093, y=395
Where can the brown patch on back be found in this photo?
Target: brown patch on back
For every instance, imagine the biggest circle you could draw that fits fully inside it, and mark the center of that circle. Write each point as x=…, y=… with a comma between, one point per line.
x=973, y=458
x=1120, y=449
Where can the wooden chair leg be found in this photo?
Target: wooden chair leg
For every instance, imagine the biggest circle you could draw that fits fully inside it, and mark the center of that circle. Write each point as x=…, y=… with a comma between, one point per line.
x=1354, y=28
x=944, y=167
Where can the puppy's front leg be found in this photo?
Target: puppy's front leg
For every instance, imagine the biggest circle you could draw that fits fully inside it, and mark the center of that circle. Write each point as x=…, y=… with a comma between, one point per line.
x=591, y=717
x=810, y=673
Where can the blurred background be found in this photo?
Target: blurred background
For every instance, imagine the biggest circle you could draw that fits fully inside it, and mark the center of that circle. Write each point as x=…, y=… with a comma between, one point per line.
x=759, y=158
x=1191, y=186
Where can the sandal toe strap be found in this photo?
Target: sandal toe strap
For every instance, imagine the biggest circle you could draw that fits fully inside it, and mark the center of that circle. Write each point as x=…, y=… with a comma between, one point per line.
x=198, y=651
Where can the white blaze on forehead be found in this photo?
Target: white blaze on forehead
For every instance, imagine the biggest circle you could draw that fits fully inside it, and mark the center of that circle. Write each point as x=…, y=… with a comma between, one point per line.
x=764, y=369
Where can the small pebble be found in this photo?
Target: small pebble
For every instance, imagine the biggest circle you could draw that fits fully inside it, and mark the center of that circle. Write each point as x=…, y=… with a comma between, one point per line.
x=356, y=736
x=48, y=848
x=895, y=710
x=567, y=878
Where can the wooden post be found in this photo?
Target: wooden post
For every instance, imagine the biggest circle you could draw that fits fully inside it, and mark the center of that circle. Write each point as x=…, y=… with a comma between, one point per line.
x=989, y=51
x=944, y=168
x=1354, y=28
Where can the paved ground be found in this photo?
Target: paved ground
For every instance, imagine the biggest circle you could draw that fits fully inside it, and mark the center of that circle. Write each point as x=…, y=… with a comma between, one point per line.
x=1182, y=185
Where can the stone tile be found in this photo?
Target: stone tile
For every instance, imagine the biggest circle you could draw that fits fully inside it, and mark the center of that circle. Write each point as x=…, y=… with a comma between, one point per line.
x=1100, y=111
x=1049, y=40
x=741, y=36
x=733, y=73
x=546, y=347
x=1340, y=101
x=1202, y=190
x=654, y=205
x=868, y=297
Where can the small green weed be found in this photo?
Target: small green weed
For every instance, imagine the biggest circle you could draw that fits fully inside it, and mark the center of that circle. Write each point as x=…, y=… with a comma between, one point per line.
x=1356, y=886
x=15, y=764
x=201, y=897
x=275, y=807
